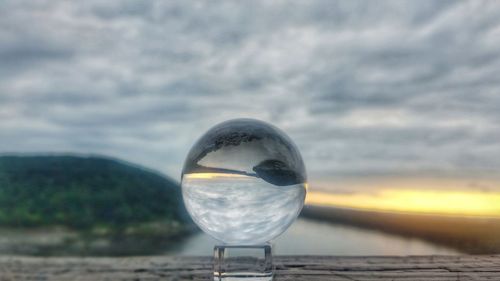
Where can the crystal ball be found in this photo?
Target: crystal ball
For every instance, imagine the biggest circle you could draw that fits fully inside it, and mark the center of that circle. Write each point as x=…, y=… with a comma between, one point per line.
x=244, y=182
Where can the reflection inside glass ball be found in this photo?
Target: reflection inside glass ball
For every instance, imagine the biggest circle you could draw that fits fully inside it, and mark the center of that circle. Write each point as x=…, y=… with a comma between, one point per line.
x=244, y=182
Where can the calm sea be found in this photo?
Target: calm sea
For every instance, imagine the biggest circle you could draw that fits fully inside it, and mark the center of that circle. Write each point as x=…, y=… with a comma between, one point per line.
x=311, y=237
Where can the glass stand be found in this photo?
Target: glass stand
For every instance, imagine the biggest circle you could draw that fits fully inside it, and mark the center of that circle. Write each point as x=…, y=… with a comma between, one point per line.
x=249, y=263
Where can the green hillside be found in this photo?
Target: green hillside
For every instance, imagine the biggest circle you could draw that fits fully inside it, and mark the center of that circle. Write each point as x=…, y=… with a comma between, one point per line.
x=83, y=193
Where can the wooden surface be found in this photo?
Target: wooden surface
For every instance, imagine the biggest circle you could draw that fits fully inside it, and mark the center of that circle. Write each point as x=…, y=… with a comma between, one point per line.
x=308, y=268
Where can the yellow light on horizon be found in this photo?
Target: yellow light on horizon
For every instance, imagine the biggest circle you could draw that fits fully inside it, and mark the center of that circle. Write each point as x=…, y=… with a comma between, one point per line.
x=213, y=175
x=445, y=202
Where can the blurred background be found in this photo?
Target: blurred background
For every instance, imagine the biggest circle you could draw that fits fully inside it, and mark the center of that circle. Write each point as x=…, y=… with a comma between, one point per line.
x=394, y=106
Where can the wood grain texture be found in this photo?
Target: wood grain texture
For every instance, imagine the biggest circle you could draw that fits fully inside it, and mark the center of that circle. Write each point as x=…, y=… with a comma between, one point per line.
x=312, y=268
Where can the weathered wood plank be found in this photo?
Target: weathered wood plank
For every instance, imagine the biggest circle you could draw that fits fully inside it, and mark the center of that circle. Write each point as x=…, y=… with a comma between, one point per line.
x=313, y=268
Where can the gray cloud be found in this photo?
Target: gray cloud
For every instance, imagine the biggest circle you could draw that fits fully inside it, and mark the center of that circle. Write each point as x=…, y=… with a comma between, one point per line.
x=388, y=88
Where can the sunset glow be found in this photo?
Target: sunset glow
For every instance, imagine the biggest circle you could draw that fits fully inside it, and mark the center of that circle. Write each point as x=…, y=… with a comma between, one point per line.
x=443, y=202
x=213, y=175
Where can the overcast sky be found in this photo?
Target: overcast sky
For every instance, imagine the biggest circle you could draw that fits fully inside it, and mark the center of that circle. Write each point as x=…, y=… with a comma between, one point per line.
x=374, y=88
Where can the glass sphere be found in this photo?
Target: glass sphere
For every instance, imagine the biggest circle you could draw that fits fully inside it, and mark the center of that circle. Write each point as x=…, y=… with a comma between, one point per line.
x=244, y=182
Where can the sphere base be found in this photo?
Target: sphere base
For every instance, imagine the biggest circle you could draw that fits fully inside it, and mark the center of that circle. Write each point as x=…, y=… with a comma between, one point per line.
x=243, y=263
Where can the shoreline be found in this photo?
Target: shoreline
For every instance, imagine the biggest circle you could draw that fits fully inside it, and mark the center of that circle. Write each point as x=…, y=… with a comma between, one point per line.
x=471, y=235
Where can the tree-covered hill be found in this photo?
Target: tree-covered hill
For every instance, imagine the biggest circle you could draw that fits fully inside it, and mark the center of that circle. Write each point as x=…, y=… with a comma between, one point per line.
x=83, y=193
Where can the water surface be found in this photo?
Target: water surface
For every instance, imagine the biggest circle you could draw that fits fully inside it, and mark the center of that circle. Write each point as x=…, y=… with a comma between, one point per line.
x=311, y=237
